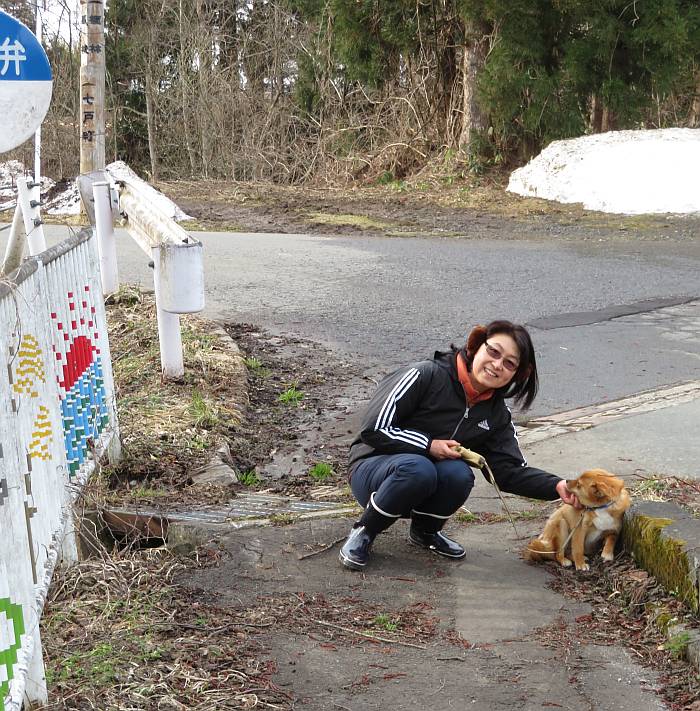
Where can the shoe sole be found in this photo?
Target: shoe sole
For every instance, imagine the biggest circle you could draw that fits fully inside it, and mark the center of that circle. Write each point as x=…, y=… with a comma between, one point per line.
x=351, y=564
x=434, y=550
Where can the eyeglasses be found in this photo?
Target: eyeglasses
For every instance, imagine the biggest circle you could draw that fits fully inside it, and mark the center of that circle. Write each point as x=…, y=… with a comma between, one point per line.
x=496, y=354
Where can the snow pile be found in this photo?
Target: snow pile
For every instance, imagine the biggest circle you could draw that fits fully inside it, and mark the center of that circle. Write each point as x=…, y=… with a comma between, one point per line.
x=68, y=202
x=9, y=172
x=629, y=172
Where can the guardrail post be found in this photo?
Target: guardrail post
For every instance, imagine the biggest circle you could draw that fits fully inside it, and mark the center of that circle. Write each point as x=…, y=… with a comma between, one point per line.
x=15, y=243
x=106, y=243
x=171, y=358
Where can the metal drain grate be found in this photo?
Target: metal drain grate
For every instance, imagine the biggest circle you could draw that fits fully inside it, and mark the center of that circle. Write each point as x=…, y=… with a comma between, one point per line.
x=264, y=505
x=244, y=508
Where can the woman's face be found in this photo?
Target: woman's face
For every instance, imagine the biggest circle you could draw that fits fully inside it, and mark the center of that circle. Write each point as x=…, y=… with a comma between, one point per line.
x=495, y=363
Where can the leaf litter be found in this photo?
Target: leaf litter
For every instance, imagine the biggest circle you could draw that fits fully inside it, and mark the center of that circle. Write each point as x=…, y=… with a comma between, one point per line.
x=121, y=631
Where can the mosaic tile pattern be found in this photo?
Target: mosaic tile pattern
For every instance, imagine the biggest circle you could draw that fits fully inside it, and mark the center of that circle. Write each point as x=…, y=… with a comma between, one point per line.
x=11, y=631
x=42, y=435
x=30, y=367
x=80, y=377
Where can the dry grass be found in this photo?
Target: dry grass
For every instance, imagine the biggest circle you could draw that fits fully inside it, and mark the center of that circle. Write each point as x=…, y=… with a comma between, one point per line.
x=119, y=633
x=169, y=428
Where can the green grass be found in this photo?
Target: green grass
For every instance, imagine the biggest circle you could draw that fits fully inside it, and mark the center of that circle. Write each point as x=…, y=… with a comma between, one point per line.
x=465, y=517
x=202, y=412
x=291, y=396
x=385, y=622
x=321, y=471
x=249, y=478
x=146, y=492
x=255, y=366
x=677, y=644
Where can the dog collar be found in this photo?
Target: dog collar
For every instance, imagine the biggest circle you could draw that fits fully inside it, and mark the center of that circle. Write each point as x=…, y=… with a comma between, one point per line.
x=599, y=508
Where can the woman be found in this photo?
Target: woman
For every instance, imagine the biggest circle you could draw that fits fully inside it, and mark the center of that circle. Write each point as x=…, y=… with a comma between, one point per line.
x=402, y=463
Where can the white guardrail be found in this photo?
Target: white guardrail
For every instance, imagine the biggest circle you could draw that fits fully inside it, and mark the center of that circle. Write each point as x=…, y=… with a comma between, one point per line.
x=176, y=256
x=57, y=415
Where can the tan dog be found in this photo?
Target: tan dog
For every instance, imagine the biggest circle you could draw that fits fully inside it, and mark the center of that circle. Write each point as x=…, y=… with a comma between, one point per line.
x=605, y=500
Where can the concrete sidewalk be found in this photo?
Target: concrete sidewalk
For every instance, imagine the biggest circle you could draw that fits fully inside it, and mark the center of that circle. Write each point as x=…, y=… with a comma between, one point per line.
x=502, y=637
x=653, y=433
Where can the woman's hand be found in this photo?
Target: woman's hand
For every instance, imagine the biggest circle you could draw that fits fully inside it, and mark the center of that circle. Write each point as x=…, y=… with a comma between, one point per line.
x=442, y=449
x=566, y=496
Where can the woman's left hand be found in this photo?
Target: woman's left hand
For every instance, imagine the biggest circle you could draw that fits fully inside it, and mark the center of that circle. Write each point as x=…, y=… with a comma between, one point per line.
x=567, y=496
x=442, y=449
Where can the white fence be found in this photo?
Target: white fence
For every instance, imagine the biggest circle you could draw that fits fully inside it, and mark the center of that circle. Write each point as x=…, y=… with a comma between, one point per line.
x=57, y=413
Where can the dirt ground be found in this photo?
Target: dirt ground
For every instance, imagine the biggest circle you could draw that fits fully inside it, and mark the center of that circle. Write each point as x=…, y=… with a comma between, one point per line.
x=265, y=617
x=439, y=207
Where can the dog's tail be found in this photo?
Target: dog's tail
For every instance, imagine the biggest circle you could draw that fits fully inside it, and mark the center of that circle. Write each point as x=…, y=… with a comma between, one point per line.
x=539, y=549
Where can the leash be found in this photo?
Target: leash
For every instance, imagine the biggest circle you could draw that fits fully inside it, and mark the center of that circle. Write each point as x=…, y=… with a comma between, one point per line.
x=479, y=461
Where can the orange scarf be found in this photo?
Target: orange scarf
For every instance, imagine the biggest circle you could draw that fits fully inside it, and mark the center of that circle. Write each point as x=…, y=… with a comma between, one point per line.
x=473, y=396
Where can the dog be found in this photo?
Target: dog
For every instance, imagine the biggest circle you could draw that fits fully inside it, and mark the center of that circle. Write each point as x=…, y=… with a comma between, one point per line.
x=579, y=531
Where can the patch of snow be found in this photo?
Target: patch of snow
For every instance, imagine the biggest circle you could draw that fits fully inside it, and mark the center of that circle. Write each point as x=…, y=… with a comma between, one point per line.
x=625, y=172
x=67, y=202
x=9, y=172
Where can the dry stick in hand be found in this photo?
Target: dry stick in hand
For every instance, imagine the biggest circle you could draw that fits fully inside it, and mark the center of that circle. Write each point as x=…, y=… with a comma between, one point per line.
x=477, y=460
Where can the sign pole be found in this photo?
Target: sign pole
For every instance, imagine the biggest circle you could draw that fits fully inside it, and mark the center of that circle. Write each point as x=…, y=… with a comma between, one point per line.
x=37, y=136
x=92, y=86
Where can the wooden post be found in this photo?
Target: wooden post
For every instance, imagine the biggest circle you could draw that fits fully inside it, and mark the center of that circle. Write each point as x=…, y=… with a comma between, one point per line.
x=92, y=86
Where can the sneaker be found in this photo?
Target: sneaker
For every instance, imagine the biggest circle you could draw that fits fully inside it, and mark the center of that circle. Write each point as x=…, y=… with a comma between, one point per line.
x=437, y=542
x=355, y=551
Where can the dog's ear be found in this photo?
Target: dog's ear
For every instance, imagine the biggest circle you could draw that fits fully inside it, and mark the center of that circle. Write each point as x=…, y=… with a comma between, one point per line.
x=476, y=339
x=604, y=489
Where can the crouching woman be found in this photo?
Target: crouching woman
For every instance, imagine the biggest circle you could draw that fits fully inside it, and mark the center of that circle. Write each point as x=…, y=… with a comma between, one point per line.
x=402, y=463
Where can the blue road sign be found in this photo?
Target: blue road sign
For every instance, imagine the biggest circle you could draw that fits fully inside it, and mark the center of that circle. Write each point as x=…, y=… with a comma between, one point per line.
x=25, y=83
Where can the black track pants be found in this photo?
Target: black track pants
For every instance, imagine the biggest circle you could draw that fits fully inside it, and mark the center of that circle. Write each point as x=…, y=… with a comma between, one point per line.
x=405, y=483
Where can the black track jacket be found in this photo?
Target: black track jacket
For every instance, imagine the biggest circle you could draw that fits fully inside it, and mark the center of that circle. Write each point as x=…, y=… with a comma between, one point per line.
x=426, y=401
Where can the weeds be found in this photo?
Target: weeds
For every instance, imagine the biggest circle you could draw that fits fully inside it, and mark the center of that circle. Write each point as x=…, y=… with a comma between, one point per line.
x=321, y=471
x=677, y=644
x=118, y=634
x=249, y=478
x=253, y=363
x=385, y=622
x=145, y=492
x=291, y=396
x=202, y=412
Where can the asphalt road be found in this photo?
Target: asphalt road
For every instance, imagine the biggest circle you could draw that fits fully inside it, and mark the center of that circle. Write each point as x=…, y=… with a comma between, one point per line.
x=608, y=319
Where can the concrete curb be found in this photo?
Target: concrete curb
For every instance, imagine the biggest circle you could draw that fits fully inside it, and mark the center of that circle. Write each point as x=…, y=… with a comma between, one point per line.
x=664, y=539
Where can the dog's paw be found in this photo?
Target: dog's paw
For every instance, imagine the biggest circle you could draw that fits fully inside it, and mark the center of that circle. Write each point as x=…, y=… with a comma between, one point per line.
x=608, y=557
x=566, y=563
x=583, y=566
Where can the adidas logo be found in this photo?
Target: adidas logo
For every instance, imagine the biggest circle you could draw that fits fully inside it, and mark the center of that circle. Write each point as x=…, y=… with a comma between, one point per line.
x=484, y=425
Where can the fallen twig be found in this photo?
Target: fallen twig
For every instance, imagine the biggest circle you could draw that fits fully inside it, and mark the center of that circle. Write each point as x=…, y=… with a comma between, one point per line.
x=374, y=637
x=320, y=550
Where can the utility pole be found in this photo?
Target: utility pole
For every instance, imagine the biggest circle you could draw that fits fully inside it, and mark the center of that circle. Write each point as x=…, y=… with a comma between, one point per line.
x=92, y=86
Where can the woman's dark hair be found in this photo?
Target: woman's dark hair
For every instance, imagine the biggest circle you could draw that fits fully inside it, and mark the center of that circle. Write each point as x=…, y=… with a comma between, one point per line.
x=525, y=383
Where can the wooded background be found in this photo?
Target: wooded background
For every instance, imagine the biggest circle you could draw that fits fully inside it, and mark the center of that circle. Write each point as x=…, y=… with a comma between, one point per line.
x=367, y=90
